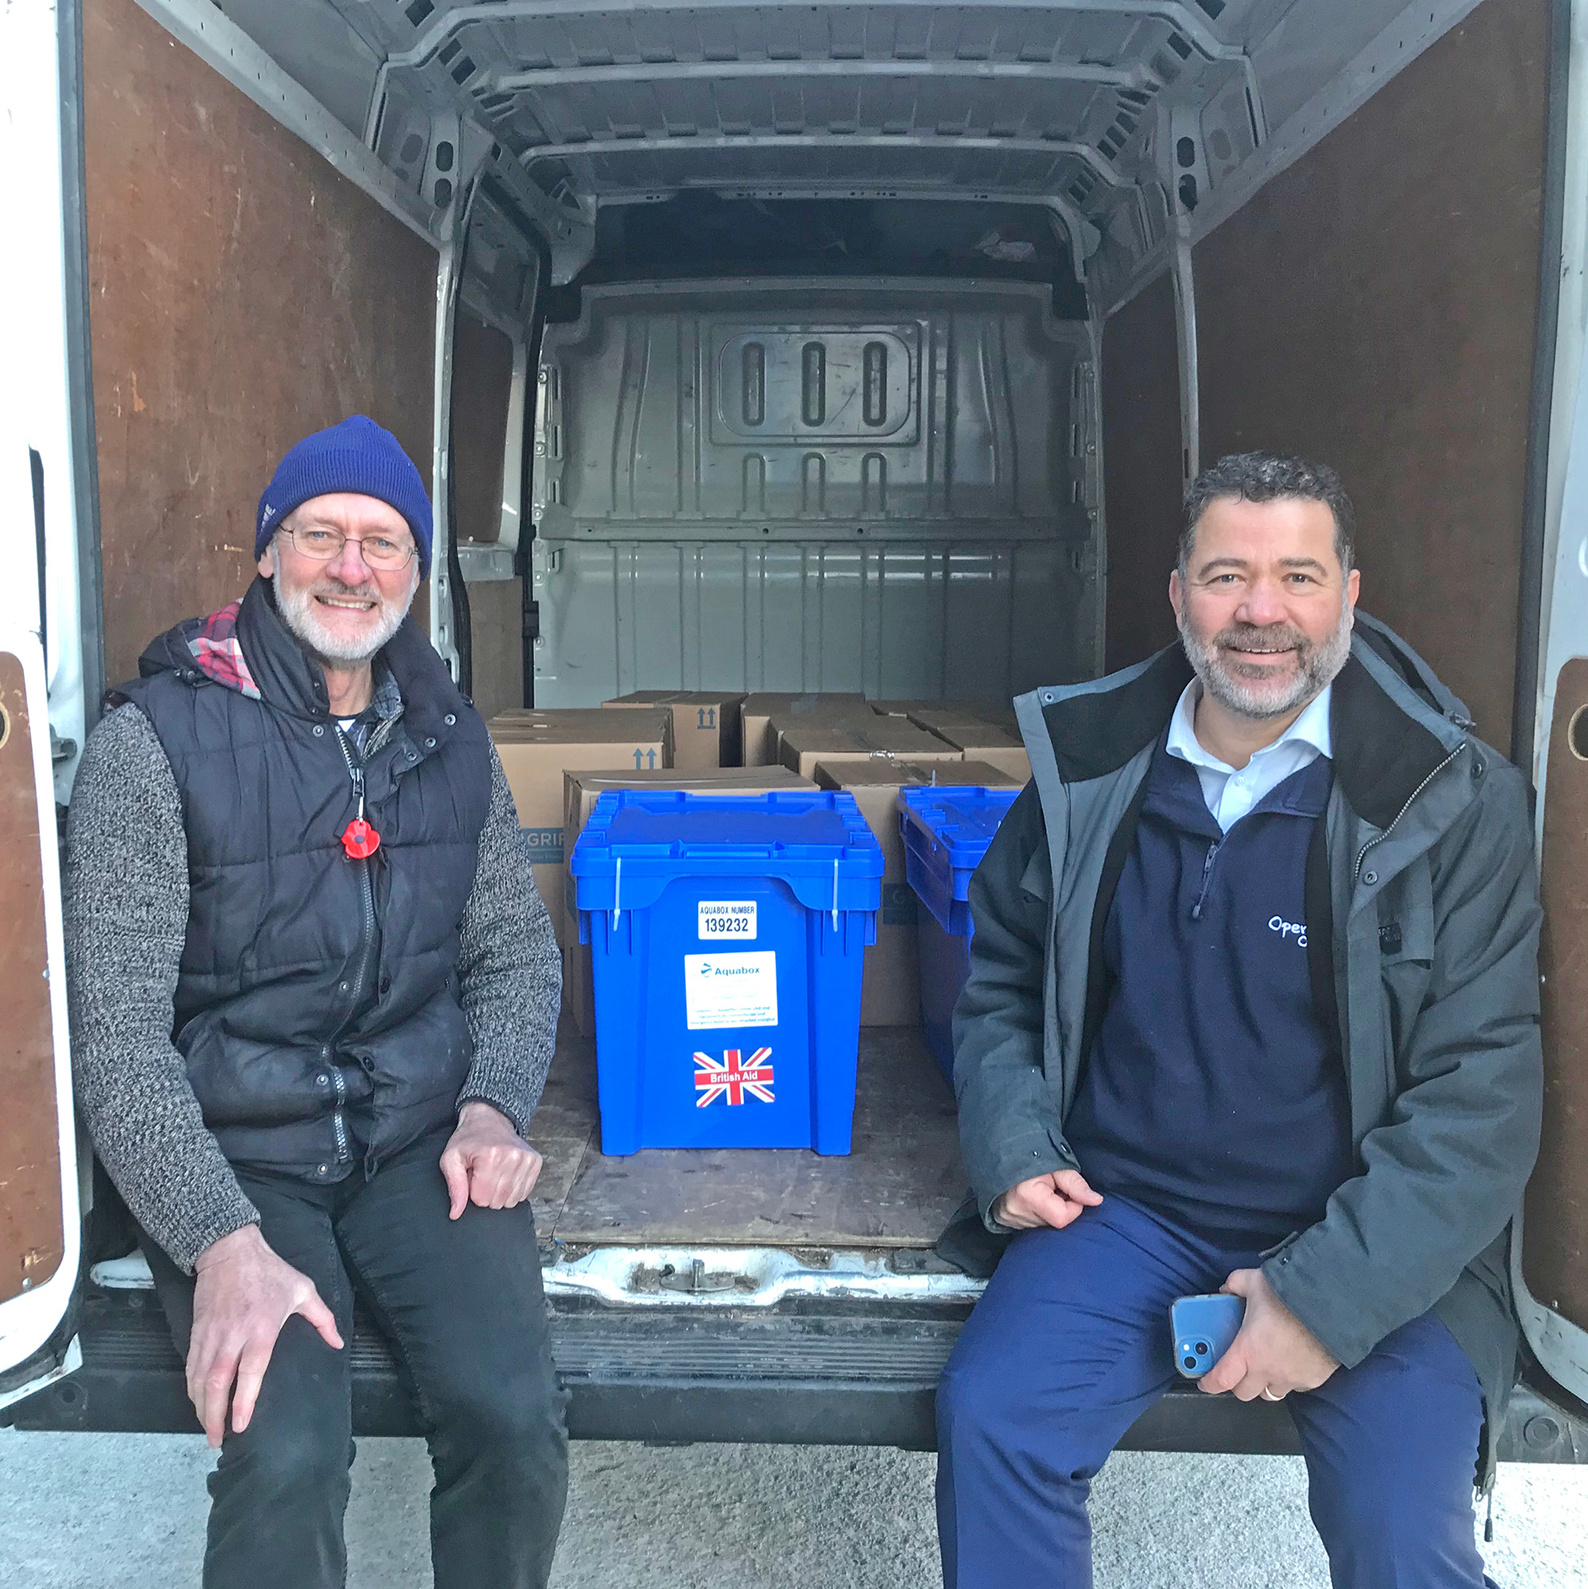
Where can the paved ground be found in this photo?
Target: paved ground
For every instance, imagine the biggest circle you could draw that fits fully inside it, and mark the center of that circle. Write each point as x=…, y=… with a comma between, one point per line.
x=126, y=1512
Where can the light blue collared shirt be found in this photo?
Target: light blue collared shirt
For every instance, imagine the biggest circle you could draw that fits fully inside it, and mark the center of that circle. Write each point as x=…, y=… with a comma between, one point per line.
x=1231, y=793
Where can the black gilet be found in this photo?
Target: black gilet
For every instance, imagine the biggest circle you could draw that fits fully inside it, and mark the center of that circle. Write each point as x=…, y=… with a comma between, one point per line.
x=318, y=1003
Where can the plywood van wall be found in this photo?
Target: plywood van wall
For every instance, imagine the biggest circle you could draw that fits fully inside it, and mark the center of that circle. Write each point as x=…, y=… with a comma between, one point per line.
x=1141, y=472
x=242, y=294
x=1374, y=306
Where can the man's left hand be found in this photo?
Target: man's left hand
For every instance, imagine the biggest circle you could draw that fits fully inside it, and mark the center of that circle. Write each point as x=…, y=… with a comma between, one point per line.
x=487, y=1162
x=1273, y=1351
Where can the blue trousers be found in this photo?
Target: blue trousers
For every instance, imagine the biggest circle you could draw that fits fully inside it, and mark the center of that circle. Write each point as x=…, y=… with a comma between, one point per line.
x=1071, y=1342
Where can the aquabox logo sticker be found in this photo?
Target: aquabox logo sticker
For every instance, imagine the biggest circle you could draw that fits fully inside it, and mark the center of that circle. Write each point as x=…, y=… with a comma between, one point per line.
x=734, y=1078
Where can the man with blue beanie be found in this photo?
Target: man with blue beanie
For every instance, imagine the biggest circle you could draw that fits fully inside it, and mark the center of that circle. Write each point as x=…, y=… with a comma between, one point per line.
x=1252, y=1007
x=314, y=999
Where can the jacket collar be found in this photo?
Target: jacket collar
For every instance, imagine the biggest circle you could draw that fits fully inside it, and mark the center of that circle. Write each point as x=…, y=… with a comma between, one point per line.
x=1393, y=723
x=247, y=647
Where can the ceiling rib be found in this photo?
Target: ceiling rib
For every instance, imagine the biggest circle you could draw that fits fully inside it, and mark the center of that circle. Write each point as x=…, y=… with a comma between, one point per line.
x=696, y=142
x=1138, y=76
x=1180, y=16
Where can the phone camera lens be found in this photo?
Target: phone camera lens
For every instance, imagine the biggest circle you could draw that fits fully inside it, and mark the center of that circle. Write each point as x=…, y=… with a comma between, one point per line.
x=1202, y=1348
x=1190, y=1362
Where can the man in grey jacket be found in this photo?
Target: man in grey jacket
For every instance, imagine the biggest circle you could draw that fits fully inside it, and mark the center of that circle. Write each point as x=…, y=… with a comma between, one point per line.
x=314, y=994
x=1252, y=1007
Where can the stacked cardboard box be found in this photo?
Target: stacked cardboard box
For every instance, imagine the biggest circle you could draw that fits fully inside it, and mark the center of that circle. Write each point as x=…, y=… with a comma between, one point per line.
x=759, y=711
x=538, y=747
x=580, y=790
x=706, y=725
x=890, y=994
x=959, y=711
x=990, y=737
x=804, y=743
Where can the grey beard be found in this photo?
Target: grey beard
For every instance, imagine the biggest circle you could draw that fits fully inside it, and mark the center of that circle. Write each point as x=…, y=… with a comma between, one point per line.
x=297, y=612
x=1319, y=666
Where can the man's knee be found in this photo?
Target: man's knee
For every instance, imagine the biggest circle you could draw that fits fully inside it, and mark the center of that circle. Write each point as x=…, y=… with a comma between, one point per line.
x=1374, y=1508
x=286, y=1461
x=978, y=1401
x=516, y=1422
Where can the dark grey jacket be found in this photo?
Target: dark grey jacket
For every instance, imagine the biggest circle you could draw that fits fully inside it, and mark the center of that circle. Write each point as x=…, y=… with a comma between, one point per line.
x=1431, y=888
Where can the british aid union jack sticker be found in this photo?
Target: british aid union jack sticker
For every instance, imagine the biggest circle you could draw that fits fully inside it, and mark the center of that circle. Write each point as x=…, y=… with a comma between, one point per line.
x=733, y=1078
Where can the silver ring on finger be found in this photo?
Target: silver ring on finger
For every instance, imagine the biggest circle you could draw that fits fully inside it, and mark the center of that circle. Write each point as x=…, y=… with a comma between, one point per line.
x=1268, y=1395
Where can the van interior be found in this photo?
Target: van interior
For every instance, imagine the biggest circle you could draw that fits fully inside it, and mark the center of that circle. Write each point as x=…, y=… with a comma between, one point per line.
x=859, y=347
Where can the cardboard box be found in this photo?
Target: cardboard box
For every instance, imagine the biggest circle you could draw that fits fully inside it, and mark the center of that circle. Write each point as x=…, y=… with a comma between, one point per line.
x=980, y=740
x=801, y=744
x=891, y=994
x=931, y=713
x=706, y=725
x=538, y=747
x=950, y=711
x=580, y=790
x=757, y=712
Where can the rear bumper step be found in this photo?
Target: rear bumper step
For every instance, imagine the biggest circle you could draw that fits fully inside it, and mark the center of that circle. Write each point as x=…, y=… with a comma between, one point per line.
x=856, y=1375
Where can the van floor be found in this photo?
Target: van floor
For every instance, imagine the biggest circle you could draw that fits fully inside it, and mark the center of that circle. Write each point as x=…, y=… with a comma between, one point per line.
x=897, y=1188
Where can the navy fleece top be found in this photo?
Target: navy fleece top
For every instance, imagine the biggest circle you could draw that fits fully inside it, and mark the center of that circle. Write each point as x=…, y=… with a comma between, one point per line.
x=1214, y=1091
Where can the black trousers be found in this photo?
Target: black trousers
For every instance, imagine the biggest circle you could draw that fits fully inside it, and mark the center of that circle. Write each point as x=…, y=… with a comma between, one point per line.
x=461, y=1303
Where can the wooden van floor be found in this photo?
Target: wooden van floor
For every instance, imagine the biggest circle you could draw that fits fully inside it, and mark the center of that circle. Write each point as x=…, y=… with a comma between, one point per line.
x=897, y=1188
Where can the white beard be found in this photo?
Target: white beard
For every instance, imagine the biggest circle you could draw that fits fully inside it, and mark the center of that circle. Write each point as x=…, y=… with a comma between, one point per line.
x=1317, y=666
x=301, y=615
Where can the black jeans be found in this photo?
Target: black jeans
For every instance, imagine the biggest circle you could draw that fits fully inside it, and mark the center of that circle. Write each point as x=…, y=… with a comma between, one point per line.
x=461, y=1303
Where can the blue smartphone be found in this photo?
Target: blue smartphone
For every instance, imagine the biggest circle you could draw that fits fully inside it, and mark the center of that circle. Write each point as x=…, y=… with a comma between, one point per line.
x=1203, y=1329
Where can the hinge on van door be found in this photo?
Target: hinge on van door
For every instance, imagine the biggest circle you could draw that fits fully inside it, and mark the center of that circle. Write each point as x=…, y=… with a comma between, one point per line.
x=694, y=1279
x=532, y=620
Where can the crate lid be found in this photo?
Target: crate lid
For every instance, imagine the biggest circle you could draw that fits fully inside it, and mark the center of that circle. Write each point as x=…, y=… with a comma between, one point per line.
x=959, y=822
x=637, y=841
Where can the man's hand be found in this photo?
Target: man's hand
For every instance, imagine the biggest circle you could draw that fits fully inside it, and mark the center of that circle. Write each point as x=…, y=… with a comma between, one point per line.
x=487, y=1162
x=1055, y=1199
x=242, y=1296
x=1273, y=1352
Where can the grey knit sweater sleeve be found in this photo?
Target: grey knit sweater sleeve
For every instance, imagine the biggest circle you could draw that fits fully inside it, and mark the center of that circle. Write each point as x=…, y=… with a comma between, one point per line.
x=511, y=968
x=126, y=904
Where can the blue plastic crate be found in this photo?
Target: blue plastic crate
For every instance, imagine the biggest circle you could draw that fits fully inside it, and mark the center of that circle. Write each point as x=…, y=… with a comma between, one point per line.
x=946, y=832
x=727, y=937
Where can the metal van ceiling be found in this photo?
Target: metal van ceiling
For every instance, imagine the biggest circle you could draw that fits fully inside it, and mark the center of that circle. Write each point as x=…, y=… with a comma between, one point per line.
x=1117, y=116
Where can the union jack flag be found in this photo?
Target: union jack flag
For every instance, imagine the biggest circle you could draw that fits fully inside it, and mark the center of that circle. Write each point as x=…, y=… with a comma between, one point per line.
x=733, y=1078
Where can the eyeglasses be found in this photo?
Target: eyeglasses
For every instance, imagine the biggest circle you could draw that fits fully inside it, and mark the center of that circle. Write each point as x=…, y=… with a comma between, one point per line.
x=378, y=551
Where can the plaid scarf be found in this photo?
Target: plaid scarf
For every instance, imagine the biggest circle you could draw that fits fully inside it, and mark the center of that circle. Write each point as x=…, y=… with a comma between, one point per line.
x=219, y=653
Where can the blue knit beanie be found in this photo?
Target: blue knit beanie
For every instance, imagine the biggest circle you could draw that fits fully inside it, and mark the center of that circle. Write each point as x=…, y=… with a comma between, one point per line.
x=357, y=455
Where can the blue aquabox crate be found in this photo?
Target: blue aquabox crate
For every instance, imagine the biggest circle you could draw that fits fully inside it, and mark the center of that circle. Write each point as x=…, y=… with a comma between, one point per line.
x=728, y=935
x=946, y=832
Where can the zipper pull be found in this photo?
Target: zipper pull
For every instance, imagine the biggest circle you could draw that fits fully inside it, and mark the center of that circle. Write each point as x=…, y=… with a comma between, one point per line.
x=359, y=839
x=1207, y=873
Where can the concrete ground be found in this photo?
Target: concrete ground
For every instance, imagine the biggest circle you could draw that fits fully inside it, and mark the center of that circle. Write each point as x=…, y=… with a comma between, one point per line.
x=126, y=1512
